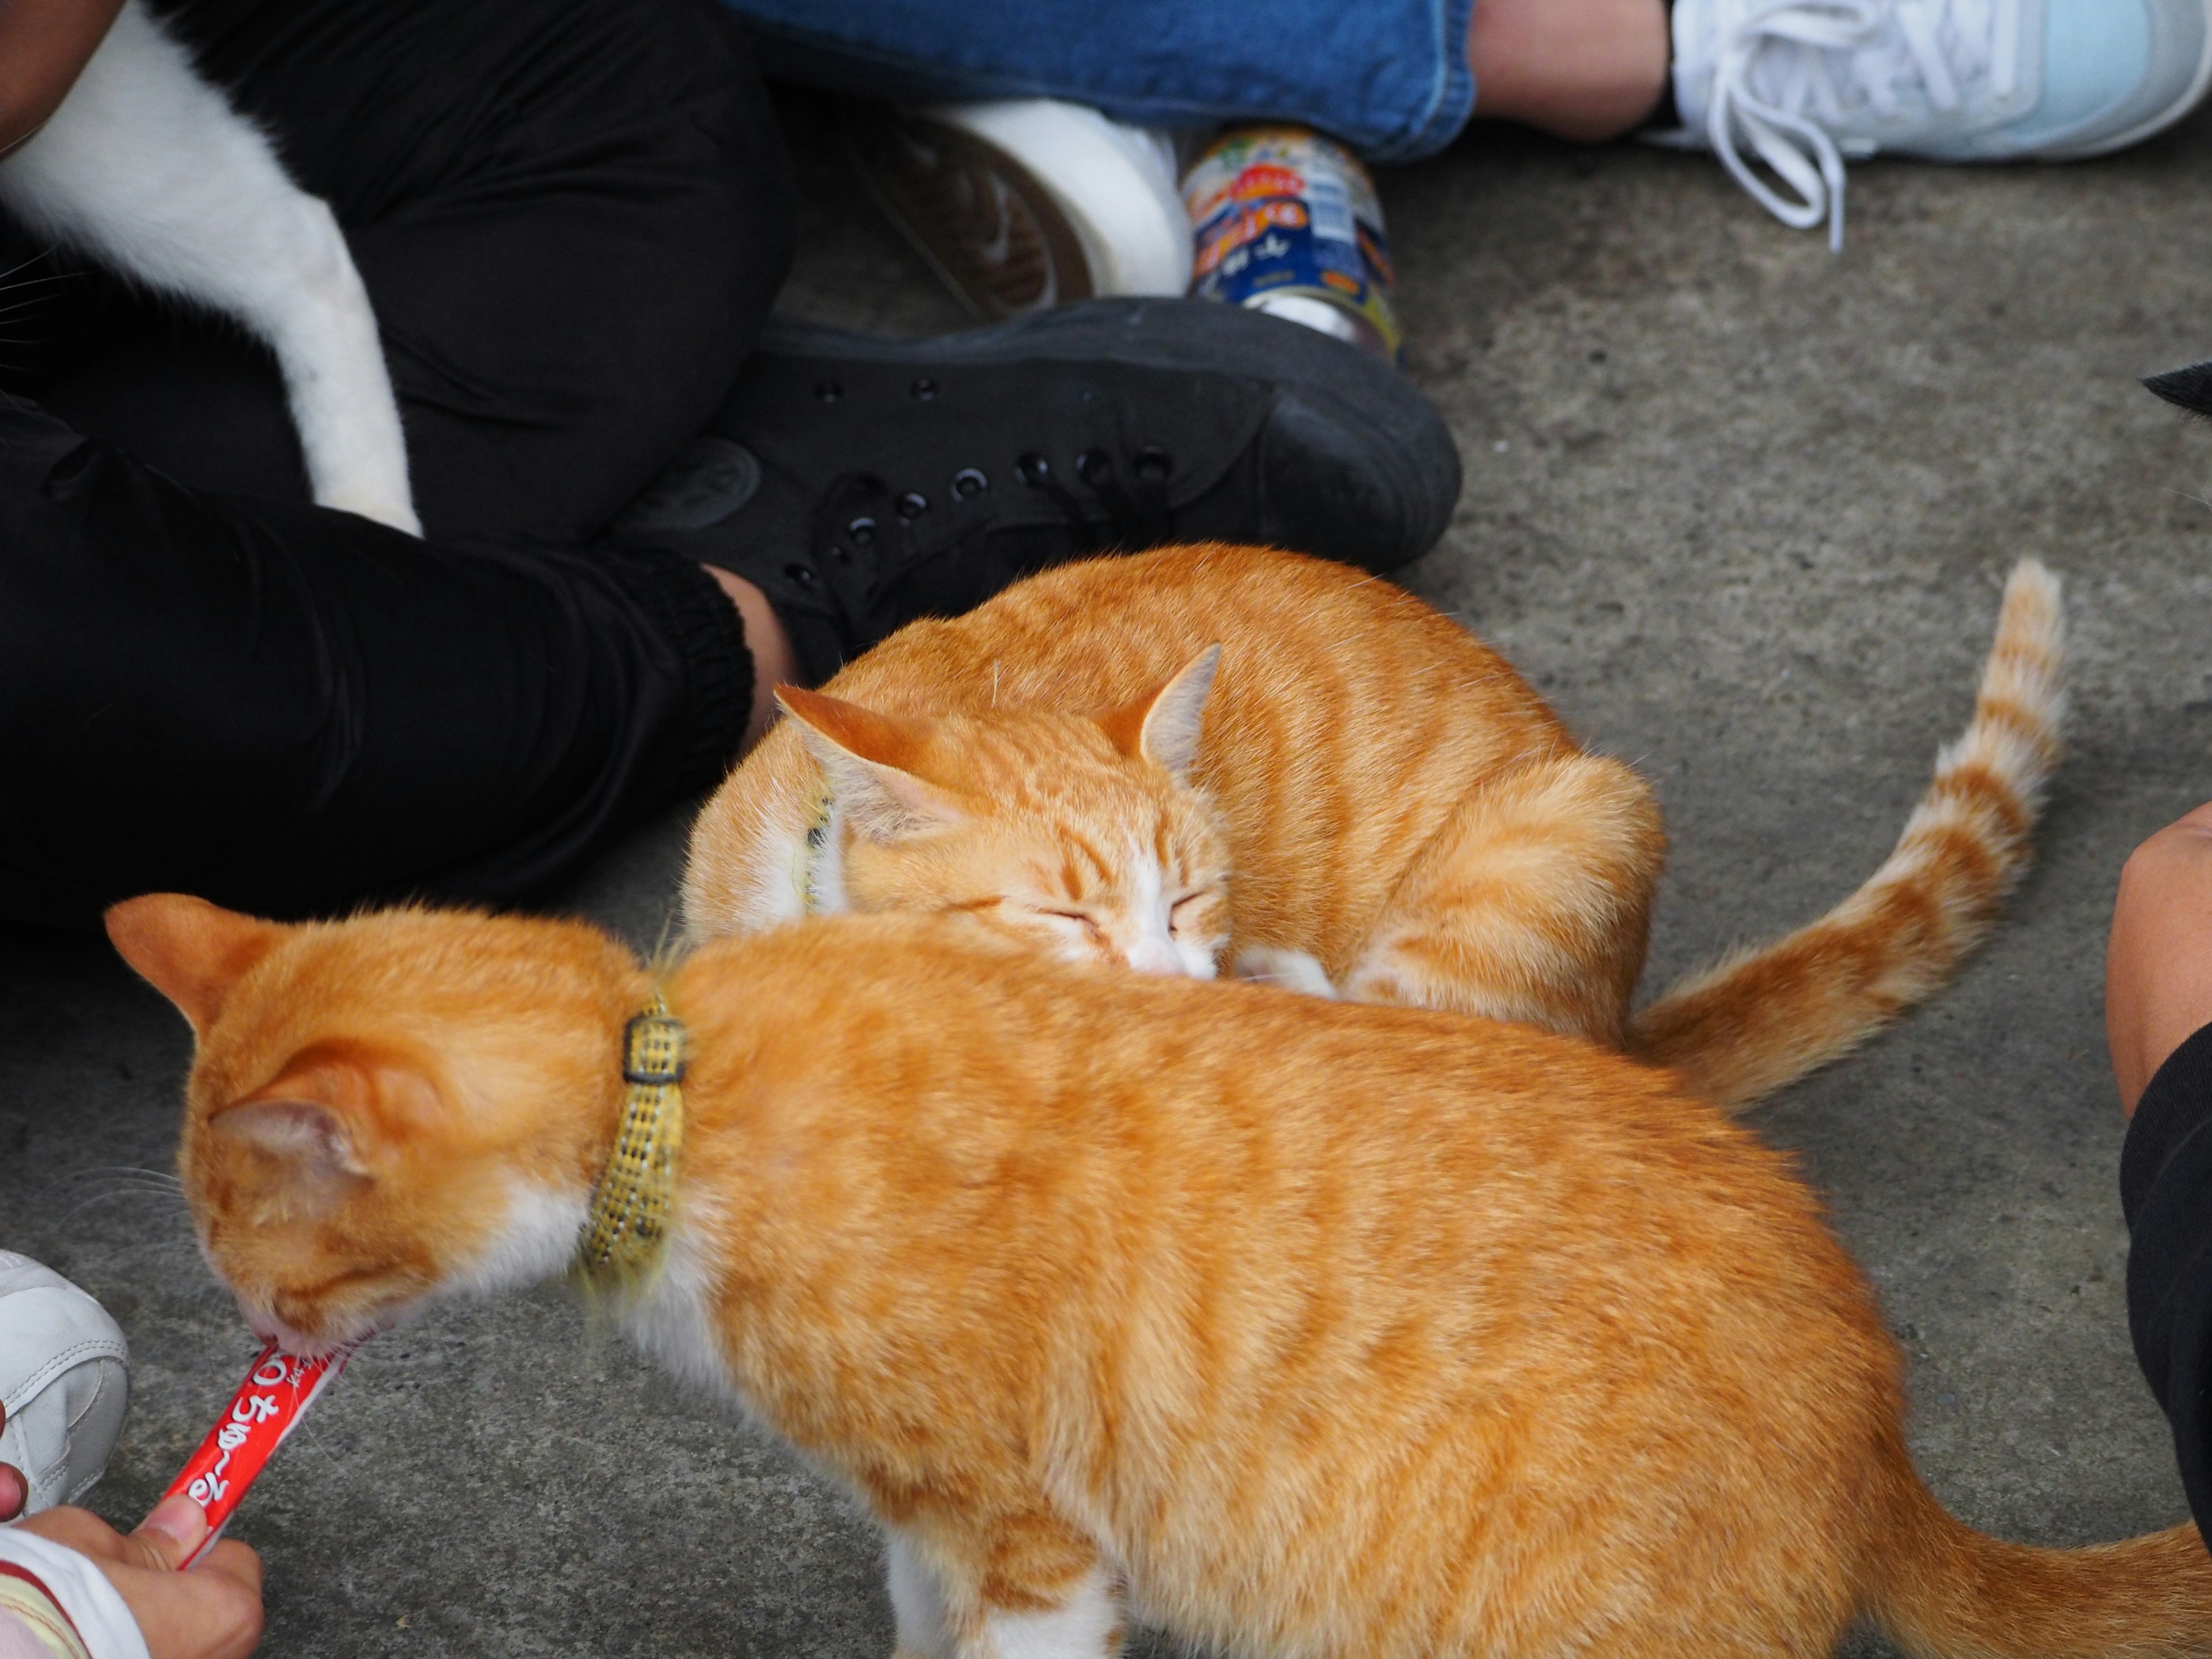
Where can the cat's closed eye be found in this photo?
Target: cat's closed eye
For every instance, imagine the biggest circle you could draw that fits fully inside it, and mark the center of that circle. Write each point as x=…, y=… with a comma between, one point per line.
x=1076, y=923
x=1188, y=911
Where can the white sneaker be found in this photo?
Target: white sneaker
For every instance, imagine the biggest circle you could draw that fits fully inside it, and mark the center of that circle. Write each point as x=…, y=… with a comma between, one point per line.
x=65, y=1380
x=1805, y=84
x=1020, y=204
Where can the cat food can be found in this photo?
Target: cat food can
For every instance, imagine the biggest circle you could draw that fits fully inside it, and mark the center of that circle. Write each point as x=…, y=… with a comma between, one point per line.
x=262, y=1414
x=1288, y=222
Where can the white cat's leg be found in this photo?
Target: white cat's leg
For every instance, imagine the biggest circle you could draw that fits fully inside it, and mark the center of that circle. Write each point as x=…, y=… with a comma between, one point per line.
x=1091, y=1623
x=1294, y=970
x=917, y=1602
x=148, y=169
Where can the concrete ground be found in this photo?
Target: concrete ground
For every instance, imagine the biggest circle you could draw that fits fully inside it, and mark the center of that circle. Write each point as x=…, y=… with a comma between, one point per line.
x=1743, y=509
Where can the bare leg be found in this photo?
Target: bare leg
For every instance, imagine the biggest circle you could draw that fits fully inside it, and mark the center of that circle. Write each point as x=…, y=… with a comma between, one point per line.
x=774, y=663
x=1579, y=69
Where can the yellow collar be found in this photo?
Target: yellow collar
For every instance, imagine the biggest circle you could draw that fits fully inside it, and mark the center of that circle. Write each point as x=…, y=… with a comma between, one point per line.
x=818, y=841
x=629, y=1211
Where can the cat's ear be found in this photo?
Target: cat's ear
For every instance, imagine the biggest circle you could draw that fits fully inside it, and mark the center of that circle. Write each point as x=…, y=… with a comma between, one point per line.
x=309, y=1143
x=298, y=1131
x=191, y=952
x=313, y=1115
x=1164, y=727
x=868, y=758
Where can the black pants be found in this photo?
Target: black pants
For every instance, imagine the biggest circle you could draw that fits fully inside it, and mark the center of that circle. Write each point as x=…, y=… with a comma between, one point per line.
x=572, y=216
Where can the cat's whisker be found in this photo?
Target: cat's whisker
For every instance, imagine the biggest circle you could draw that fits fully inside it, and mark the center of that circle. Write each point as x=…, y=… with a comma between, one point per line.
x=151, y=1180
x=99, y=1200
x=169, y=1177
x=159, y=1195
x=51, y=250
x=36, y=281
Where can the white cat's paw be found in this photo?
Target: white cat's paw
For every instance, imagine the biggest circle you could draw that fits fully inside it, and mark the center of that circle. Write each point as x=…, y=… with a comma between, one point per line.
x=380, y=504
x=1294, y=970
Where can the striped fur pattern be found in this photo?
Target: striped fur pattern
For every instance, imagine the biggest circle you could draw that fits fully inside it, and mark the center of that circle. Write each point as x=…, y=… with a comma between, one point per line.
x=1305, y=1330
x=1750, y=1024
x=1376, y=806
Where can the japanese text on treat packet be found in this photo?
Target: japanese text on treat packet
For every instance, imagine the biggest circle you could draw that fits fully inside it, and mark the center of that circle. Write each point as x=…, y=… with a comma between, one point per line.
x=264, y=1411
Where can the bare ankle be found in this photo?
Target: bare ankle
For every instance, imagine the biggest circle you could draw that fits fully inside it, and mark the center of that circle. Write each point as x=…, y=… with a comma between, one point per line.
x=1588, y=69
x=774, y=663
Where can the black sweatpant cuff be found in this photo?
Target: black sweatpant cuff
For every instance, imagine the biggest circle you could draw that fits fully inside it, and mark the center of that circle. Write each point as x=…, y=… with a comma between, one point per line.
x=2166, y=1188
x=703, y=627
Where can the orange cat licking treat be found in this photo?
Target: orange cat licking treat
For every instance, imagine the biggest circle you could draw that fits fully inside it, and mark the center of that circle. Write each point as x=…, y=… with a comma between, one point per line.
x=1303, y=1329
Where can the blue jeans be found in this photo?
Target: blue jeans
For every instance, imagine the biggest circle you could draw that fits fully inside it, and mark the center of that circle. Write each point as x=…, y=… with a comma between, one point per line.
x=1389, y=76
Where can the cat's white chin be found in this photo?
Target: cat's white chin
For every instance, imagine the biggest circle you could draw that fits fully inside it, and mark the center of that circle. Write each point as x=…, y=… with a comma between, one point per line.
x=270, y=1329
x=535, y=1240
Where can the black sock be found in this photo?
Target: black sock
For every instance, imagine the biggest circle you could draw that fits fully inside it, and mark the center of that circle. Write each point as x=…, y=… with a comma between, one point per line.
x=1666, y=117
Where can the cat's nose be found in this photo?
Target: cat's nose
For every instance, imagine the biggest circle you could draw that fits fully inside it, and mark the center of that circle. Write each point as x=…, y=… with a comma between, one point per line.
x=1155, y=956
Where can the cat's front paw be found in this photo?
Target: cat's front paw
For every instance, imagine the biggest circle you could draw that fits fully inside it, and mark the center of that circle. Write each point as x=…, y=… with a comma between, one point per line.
x=1294, y=970
x=398, y=512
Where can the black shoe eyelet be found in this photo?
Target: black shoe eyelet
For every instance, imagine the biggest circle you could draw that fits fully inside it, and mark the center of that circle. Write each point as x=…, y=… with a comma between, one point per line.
x=801, y=574
x=969, y=481
x=827, y=392
x=912, y=505
x=1034, y=470
x=923, y=389
x=1092, y=464
x=837, y=552
x=1154, y=463
x=863, y=531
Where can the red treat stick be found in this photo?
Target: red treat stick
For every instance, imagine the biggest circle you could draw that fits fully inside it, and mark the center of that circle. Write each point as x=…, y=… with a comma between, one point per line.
x=262, y=1414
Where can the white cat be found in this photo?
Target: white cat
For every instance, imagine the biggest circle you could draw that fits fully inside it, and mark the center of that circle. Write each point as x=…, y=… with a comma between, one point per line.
x=148, y=169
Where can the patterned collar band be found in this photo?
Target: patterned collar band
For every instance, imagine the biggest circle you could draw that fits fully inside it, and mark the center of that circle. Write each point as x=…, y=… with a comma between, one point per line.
x=818, y=843
x=629, y=1212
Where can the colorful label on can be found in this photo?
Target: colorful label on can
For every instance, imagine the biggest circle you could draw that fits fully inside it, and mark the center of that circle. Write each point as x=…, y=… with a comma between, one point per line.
x=1281, y=210
x=262, y=1414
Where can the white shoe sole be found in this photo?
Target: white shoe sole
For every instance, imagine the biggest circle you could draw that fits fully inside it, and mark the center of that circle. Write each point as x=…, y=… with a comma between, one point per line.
x=2181, y=110
x=1135, y=233
x=1023, y=204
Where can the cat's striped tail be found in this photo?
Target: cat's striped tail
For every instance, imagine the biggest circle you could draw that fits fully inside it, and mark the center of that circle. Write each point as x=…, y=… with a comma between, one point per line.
x=1765, y=1016
x=1942, y=1591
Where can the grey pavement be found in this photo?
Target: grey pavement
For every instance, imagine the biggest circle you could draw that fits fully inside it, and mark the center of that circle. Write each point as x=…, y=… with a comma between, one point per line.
x=1743, y=509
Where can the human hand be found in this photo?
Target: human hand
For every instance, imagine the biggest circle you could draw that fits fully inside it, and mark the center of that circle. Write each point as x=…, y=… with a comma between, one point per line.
x=2158, y=965
x=213, y=1612
x=14, y=1490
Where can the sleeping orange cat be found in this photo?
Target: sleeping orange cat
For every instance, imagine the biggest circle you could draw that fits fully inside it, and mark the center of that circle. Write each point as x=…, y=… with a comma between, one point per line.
x=1350, y=793
x=1306, y=1330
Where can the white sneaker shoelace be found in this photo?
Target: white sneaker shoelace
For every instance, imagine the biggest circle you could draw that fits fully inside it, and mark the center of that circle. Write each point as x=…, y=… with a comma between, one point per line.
x=1805, y=84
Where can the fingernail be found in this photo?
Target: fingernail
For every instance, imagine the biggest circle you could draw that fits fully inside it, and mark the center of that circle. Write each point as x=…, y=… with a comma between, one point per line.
x=15, y=1492
x=179, y=1518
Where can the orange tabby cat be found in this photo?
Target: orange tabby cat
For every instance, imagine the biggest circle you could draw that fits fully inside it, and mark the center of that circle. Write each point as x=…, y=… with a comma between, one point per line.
x=1301, y=1329
x=1360, y=785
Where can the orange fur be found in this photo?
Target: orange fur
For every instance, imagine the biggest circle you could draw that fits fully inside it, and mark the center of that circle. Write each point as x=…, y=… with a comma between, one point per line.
x=1759, y=1018
x=1372, y=788
x=1300, y=1330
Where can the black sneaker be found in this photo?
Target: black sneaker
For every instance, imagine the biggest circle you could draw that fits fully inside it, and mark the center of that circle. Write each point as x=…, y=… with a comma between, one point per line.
x=862, y=482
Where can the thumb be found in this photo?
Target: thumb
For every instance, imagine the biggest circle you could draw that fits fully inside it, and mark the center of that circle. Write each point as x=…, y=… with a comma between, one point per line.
x=166, y=1539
